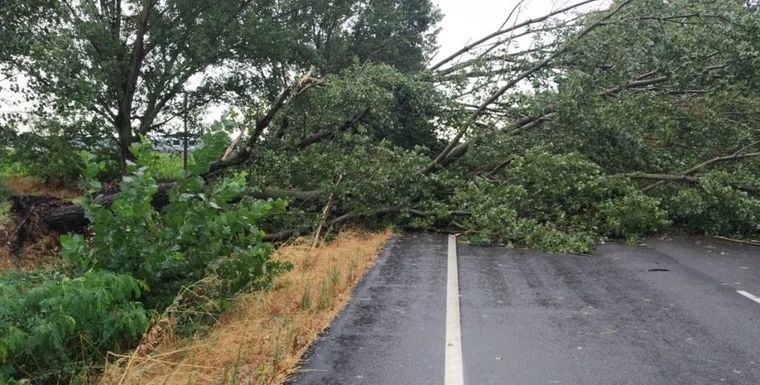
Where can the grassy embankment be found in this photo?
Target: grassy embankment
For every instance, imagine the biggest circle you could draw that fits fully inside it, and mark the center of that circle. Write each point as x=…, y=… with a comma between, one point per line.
x=261, y=339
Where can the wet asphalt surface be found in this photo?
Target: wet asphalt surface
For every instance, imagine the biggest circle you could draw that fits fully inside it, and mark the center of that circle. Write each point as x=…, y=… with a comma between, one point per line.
x=667, y=312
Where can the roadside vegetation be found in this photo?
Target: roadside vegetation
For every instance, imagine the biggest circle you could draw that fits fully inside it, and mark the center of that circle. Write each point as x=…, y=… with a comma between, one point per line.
x=263, y=335
x=555, y=133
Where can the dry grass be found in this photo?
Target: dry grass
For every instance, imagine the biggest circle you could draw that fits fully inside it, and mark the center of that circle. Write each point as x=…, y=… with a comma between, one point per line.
x=261, y=339
x=41, y=251
x=25, y=185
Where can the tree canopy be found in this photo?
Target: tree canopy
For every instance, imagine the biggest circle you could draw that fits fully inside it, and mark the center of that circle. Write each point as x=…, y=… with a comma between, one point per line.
x=131, y=67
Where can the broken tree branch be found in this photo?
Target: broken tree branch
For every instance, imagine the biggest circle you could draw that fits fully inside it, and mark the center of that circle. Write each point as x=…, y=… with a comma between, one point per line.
x=528, y=122
x=504, y=31
x=325, y=214
x=514, y=81
x=326, y=132
x=662, y=177
x=244, y=153
x=283, y=235
x=262, y=123
x=738, y=155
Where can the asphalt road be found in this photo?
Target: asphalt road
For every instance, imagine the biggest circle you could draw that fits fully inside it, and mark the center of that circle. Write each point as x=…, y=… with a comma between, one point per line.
x=667, y=312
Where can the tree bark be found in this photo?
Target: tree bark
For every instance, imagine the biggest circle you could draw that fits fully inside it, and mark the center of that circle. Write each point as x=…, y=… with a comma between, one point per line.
x=70, y=217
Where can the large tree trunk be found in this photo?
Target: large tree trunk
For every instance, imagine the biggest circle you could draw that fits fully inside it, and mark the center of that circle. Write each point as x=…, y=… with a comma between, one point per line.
x=131, y=76
x=124, y=130
x=65, y=216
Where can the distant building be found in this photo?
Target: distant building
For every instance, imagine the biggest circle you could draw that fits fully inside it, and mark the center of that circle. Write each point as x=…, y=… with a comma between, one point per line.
x=173, y=142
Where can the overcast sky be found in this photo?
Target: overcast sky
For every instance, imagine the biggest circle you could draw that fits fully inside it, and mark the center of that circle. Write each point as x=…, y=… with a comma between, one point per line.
x=465, y=20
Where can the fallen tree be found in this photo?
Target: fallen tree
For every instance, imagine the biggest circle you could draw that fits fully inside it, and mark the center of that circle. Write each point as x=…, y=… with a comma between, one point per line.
x=599, y=99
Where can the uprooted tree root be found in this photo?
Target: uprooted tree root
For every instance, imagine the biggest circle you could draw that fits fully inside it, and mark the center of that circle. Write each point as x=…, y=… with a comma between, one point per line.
x=39, y=252
x=262, y=338
x=27, y=241
x=30, y=224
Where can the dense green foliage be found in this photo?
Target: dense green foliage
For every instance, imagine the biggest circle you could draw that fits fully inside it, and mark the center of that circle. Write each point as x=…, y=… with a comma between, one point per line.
x=200, y=232
x=639, y=118
x=609, y=109
x=664, y=89
x=556, y=203
x=131, y=67
x=137, y=259
x=717, y=206
x=52, y=326
x=32, y=151
x=619, y=123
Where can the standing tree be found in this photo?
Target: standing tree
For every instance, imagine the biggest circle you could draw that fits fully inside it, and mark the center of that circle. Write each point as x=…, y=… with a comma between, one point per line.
x=396, y=32
x=128, y=64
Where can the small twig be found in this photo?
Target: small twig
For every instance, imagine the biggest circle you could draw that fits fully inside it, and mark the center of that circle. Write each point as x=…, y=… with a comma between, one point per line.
x=325, y=213
x=18, y=228
x=742, y=241
x=500, y=166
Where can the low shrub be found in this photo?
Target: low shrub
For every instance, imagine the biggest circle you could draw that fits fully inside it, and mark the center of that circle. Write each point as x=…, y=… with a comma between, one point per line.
x=52, y=326
x=203, y=244
x=202, y=231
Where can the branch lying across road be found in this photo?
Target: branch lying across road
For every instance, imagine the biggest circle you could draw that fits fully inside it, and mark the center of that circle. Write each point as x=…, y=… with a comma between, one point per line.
x=282, y=235
x=662, y=177
x=688, y=175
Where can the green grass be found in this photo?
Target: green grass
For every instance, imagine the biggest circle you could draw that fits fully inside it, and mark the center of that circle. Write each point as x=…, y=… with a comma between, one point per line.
x=9, y=169
x=5, y=208
x=169, y=166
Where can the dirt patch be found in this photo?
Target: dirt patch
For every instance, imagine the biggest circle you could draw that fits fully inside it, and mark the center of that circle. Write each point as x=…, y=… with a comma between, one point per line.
x=264, y=335
x=44, y=249
x=24, y=185
x=24, y=241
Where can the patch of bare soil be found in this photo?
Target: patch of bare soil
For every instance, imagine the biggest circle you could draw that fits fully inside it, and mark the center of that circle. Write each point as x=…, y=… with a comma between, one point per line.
x=24, y=185
x=24, y=241
x=42, y=250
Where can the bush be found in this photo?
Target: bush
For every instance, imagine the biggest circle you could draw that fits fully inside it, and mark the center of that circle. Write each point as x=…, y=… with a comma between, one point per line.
x=9, y=166
x=5, y=205
x=5, y=191
x=53, y=326
x=201, y=232
x=51, y=158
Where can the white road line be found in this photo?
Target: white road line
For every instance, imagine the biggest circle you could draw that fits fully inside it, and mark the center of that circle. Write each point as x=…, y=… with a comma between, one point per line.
x=454, y=374
x=749, y=295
